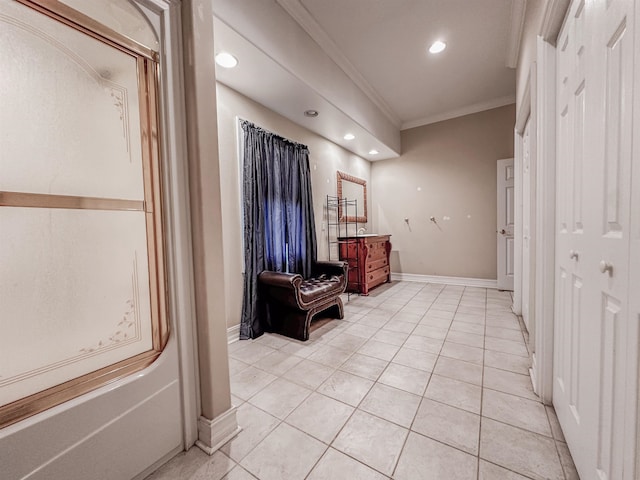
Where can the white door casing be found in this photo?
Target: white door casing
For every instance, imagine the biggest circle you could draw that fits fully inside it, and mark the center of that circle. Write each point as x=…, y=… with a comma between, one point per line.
x=528, y=225
x=544, y=113
x=517, y=248
x=595, y=367
x=525, y=195
x=505, y=226
x=633, y=336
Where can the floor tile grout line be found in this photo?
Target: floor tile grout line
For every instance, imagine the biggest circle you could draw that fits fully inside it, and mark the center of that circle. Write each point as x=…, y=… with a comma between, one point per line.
x=351, y=416
x=507, y=468
x=409, y=429
x=511, y=393
x=555, y=444
x=374, y=382
x=518, y=427
x=443, y=443
x=482, y=385
x=445, y=339
x=356, y=408
x=404, y=444
x=425, y=388
x=514, y=426
x=351, y=457
x=281, y=421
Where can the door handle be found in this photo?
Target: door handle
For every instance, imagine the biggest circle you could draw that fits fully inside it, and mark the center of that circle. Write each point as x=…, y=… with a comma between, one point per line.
x=503, y=231
x=574, y=254
x=605, y=267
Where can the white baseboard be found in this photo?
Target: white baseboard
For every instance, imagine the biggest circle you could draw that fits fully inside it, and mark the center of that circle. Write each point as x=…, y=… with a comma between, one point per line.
x=212, y=434
x=532, y=377
x=465, y=282
x=233, y=334
x=533, y=374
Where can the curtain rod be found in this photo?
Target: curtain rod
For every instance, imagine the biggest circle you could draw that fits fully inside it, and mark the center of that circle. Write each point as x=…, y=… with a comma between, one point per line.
x=244, y=122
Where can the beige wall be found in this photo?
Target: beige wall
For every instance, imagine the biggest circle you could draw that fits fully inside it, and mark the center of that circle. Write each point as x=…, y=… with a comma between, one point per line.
x=447, y=169
x=325, y=159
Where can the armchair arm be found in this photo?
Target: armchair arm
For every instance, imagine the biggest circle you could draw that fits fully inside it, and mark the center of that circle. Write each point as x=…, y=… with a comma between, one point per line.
x=330, y=268
x=280, y=286
x=280, y=279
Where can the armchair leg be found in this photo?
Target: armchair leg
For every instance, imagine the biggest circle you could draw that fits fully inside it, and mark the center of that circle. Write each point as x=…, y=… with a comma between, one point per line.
x=289, y=322
x=335, y=310
x=294, y=323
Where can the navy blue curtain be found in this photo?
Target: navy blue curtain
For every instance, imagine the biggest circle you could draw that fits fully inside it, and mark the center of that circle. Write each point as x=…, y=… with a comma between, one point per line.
x=279, y=226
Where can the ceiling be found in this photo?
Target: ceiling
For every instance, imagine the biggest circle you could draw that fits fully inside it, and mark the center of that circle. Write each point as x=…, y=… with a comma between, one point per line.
x=381, y=45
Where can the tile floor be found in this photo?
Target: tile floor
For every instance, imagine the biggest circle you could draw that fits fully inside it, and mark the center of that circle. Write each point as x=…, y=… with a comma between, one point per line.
x=419, y=381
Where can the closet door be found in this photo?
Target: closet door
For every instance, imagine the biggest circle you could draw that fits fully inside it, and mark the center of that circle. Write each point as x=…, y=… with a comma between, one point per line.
x=575, y=334
x=596, y=343
x=611, y=145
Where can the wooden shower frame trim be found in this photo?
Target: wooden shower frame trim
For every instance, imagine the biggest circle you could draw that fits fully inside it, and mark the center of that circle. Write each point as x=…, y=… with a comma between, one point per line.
x=148, y=77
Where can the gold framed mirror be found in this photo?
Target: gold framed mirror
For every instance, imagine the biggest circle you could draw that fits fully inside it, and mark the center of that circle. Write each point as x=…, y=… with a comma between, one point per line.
x=352, y=188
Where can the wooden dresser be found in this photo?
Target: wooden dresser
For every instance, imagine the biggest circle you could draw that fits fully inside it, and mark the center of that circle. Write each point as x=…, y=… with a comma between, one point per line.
x=368, y=257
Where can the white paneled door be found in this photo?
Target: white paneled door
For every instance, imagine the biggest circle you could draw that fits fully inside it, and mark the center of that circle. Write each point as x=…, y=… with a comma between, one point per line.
x=574, y=336
x=505, y=223
x=595, y=360
x=612, y=147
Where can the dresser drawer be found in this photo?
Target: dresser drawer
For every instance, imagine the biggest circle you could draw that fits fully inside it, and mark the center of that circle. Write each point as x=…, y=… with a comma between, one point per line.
x=381, y=273
x=348, y=251
x=376, y=264
x=374, y=245
x=375, y=252
x=377, y=277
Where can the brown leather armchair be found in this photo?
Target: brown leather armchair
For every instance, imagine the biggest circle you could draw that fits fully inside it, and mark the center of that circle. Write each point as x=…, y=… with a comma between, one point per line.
x=291, y=301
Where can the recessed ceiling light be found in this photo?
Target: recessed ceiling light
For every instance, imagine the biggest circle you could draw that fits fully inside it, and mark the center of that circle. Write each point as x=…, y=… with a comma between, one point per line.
x=373, y=151
x=311, y=113
x=226, y=60
x=437, y=46
x=349, y=136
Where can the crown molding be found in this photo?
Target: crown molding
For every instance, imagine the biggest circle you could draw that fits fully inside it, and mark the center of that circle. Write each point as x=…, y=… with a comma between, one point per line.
x=309, y=24
x=459, y=112
x=518, y=9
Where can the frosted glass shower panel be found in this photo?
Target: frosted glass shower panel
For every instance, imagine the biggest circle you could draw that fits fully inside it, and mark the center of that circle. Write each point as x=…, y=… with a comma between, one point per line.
x=79, y=133
x=74, y=293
